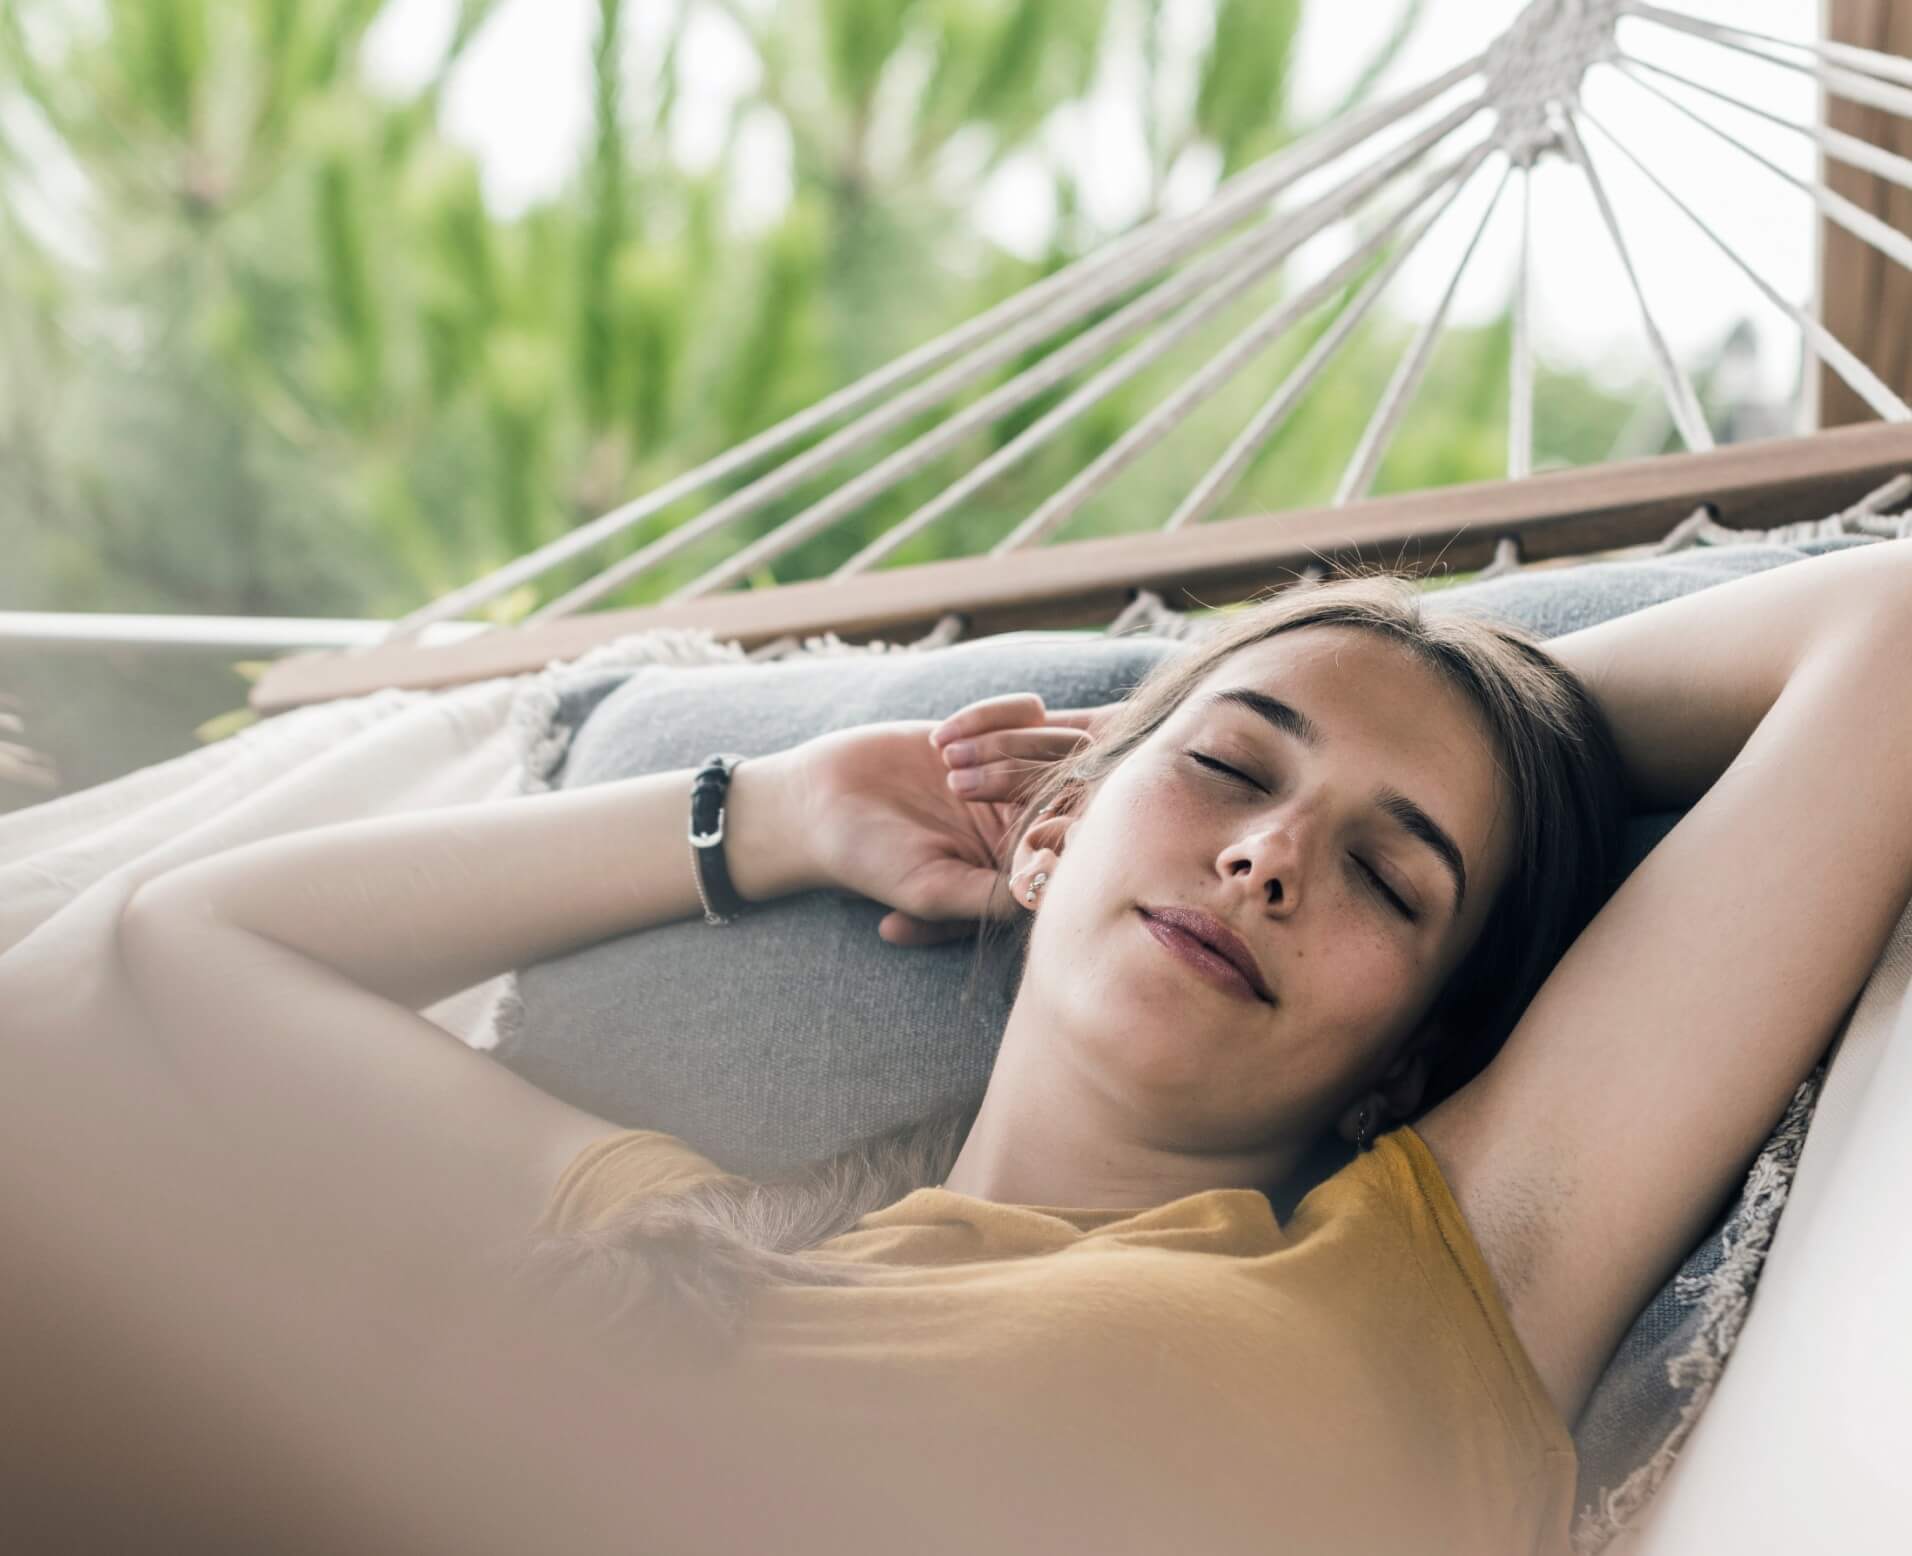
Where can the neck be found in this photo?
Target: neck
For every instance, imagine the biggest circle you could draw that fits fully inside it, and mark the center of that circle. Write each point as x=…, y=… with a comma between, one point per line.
x=1048, y=1134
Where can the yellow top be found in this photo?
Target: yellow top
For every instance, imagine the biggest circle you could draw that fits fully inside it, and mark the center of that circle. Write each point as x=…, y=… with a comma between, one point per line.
x=1192, y=1377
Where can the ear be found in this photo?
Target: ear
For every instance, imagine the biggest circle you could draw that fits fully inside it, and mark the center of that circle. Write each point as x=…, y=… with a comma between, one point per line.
x=1042, y=842
x=1399, y=1088
x=1404, y=1083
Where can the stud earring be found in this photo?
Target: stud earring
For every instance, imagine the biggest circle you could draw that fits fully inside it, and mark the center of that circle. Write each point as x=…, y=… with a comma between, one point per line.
x=1364, y=1128
x=1035, y=886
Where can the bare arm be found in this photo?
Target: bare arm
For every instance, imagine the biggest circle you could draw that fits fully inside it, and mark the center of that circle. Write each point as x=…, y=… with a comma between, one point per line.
x=1685, y=683
x=1656, y=1058
x=417, y=907
x=280, y=981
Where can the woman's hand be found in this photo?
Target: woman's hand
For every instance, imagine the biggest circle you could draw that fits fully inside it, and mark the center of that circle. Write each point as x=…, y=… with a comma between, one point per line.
x=892, y=820
x=989, y=745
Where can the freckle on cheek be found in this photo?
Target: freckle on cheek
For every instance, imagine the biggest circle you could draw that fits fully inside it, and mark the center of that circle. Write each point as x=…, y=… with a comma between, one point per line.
x=1165, y=793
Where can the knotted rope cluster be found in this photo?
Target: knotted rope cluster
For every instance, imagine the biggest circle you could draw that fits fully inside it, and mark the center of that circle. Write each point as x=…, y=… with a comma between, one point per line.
x=1538, y=63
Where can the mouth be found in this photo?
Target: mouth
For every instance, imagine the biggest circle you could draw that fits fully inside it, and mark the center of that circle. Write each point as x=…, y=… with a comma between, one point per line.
x=1209, y=946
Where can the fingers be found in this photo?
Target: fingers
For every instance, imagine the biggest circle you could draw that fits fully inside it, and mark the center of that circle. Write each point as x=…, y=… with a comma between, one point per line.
x=996, y=746
x=1001, y=766
x=1014, y=745
x=1006, y=712
x=1015, y=710
x=960, y=897
x=903, y=930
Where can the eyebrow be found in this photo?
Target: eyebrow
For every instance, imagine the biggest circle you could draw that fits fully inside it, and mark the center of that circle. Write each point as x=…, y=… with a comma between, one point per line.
x=1393, y=804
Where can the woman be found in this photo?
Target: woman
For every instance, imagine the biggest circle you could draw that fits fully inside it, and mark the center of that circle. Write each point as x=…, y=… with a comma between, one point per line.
x=1371, y=817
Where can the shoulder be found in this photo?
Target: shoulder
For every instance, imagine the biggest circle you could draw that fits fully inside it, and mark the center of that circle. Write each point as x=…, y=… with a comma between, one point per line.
x=1421, y=1262
x=1407, y=1201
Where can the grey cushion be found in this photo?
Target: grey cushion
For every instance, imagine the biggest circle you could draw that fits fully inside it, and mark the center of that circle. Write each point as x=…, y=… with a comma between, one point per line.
x=796, y=1030
x=789, y=1033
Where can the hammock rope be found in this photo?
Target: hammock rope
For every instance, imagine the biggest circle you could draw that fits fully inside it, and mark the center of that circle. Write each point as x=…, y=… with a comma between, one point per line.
x=1681, y=400
x=1033, y=438
x=1174, y=410
x=1225, y=275
x=1836, y=144
x=1819, y=340
x=1840, y=81
x=1208, y=493
x=1169, y=278
x=1241, y=193
x=1890, y=66
x=1366, y=463
x=1520, y=384
x=1861, y=223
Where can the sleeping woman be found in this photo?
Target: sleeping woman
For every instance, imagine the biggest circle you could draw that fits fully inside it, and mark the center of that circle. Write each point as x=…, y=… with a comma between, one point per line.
x=1339, y=879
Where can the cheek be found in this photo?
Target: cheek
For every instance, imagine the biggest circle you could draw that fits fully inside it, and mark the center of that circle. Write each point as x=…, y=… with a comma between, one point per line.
x=1357, y=970
x=1157, y=794
x=1350, y=990
x=1137, y=821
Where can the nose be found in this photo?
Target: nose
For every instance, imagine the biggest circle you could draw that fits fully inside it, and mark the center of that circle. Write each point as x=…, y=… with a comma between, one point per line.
x=1273, y=858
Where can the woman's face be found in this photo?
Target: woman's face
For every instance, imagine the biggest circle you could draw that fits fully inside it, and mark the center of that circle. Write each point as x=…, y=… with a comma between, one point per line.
x=1303, y=857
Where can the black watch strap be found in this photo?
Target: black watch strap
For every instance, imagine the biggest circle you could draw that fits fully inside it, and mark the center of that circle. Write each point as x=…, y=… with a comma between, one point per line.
x=709, y=807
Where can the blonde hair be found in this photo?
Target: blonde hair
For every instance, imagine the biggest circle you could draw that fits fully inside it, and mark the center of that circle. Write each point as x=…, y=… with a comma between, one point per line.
x=681, y=1268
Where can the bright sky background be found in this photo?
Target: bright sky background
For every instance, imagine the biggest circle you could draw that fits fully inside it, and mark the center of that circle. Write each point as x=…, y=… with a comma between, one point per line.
x=521, y=101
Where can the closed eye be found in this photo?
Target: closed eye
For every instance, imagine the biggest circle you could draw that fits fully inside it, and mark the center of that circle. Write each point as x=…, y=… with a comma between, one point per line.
x=1377, y=883
x=1387, y=891
x=1223, y=767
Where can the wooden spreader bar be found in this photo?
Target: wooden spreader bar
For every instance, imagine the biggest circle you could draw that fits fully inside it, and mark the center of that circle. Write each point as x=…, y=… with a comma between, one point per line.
x=1554, y=516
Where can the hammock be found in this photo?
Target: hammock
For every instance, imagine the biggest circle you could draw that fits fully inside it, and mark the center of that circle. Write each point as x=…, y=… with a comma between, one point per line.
x=1397, y=168
x=1492, y=118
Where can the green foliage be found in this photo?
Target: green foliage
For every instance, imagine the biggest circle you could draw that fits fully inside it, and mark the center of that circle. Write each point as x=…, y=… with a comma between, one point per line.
x=1406, y=24
x=604, y=223
x=859, y=37
x=1003, y=65
x=1241, y=103
x=354, y=367
x=279, y=354
x=649, y=284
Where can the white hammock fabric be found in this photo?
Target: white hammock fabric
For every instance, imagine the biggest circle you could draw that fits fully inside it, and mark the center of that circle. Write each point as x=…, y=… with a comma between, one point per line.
x=1499, y=113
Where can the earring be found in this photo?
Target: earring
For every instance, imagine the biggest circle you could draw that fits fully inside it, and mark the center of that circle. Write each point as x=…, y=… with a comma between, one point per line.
x=1364, y=1128
x=1036, y=886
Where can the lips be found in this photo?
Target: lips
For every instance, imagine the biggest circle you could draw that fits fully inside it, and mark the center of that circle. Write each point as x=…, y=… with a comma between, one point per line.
x=1219, y=938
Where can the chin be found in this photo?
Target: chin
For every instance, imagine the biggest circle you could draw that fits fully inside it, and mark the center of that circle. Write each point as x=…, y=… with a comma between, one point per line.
x=1166, y=1049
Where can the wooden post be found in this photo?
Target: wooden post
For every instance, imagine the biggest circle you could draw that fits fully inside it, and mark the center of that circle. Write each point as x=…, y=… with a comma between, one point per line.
x=1865, y=298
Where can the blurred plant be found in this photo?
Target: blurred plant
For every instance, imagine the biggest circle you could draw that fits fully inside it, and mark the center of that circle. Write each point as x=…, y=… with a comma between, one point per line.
x=266, y=348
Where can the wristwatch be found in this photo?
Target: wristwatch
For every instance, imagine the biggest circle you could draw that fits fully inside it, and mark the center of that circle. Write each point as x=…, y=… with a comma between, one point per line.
x=708, y=796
